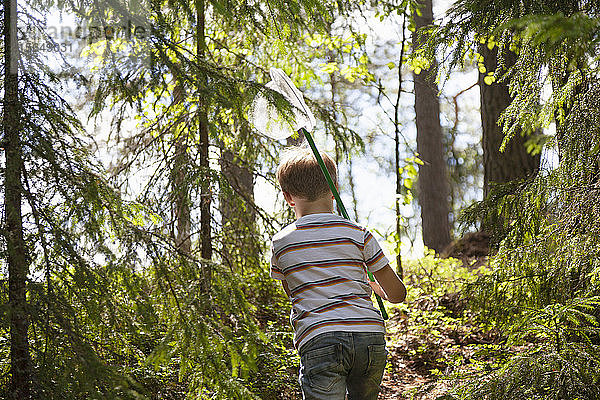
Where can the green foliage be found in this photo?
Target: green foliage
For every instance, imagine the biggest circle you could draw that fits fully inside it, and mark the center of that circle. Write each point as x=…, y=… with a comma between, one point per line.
x=73, y=215
x=277, y=376
x=554, y=41
x=541, y=373
x=435, y=277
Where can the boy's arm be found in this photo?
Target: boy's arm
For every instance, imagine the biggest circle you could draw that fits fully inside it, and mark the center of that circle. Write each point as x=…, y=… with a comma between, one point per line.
x=377, y=289
x=391, y=284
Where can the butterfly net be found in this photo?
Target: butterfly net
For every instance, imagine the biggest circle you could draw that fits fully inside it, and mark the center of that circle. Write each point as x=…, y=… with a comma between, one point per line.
x=270, y=121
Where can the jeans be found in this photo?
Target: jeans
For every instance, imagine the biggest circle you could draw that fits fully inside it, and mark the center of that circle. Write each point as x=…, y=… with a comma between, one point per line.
x=334, y=364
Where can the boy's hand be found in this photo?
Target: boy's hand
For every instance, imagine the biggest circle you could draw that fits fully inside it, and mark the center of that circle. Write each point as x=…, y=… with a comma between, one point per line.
x=377, y=289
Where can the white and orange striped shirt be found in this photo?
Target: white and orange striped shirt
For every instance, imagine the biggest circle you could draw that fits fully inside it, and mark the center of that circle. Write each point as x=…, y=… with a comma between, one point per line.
x=323, y=258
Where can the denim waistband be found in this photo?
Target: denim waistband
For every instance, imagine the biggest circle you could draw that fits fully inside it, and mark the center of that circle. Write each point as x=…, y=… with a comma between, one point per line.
x=339, y=334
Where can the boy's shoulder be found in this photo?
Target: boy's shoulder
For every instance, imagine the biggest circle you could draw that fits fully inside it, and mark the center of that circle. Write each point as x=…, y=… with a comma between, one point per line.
x=285, y=231
x=316, y=221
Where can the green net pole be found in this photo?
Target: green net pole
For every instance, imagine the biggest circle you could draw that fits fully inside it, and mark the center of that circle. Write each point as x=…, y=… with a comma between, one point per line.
x=338, y=200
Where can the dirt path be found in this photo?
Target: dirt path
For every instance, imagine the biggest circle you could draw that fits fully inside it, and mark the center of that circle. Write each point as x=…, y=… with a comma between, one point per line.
x=405, y=377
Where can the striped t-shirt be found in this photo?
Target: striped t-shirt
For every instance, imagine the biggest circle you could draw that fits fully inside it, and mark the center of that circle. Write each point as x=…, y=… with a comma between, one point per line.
x=323, y=257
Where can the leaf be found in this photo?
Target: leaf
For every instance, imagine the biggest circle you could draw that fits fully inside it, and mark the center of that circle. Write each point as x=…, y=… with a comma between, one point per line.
x=329, y=67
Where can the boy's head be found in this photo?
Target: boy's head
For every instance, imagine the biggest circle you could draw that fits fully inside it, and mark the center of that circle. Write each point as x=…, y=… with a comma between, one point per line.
x=299, y=174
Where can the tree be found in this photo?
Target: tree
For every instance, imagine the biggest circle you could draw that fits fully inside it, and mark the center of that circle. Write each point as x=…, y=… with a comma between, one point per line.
x=16, y=248
x=205, y=192
x=398, y=173
x=514, y=161
x=122, y=277
x=543, y=282
x=241, y=248
x=60, y=215
x=179, y=172
x=433, y=181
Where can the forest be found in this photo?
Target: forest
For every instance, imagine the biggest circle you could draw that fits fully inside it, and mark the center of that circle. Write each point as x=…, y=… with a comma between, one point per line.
x=139, y=197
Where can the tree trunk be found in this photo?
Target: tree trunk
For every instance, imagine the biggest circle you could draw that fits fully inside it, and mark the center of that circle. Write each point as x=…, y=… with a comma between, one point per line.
x=238, y=217
x=179, y=176
x=514, y=162
x=18, y=269
x=205, y=193
x=398, y=174
x=433, y=180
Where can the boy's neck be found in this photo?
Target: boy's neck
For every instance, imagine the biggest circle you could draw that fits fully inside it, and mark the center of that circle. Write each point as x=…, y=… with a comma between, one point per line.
x=319, y=206
x=302, y=207
x=301, y=212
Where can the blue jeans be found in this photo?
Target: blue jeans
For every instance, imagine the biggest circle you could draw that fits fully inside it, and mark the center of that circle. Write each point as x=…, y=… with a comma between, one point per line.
x=334, y=364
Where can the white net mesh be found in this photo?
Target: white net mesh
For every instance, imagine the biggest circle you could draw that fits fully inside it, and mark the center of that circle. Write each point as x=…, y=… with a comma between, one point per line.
x=269, y=121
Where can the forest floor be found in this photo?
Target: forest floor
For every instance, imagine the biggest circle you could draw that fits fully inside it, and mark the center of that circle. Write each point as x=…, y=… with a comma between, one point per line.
x=433, y=340
x=428, y=342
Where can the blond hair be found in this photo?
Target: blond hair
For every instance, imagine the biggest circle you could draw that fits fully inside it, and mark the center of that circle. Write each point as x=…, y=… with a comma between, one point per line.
x=299, y=173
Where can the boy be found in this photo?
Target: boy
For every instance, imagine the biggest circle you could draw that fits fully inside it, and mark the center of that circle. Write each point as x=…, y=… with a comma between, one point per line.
x=321, y=261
